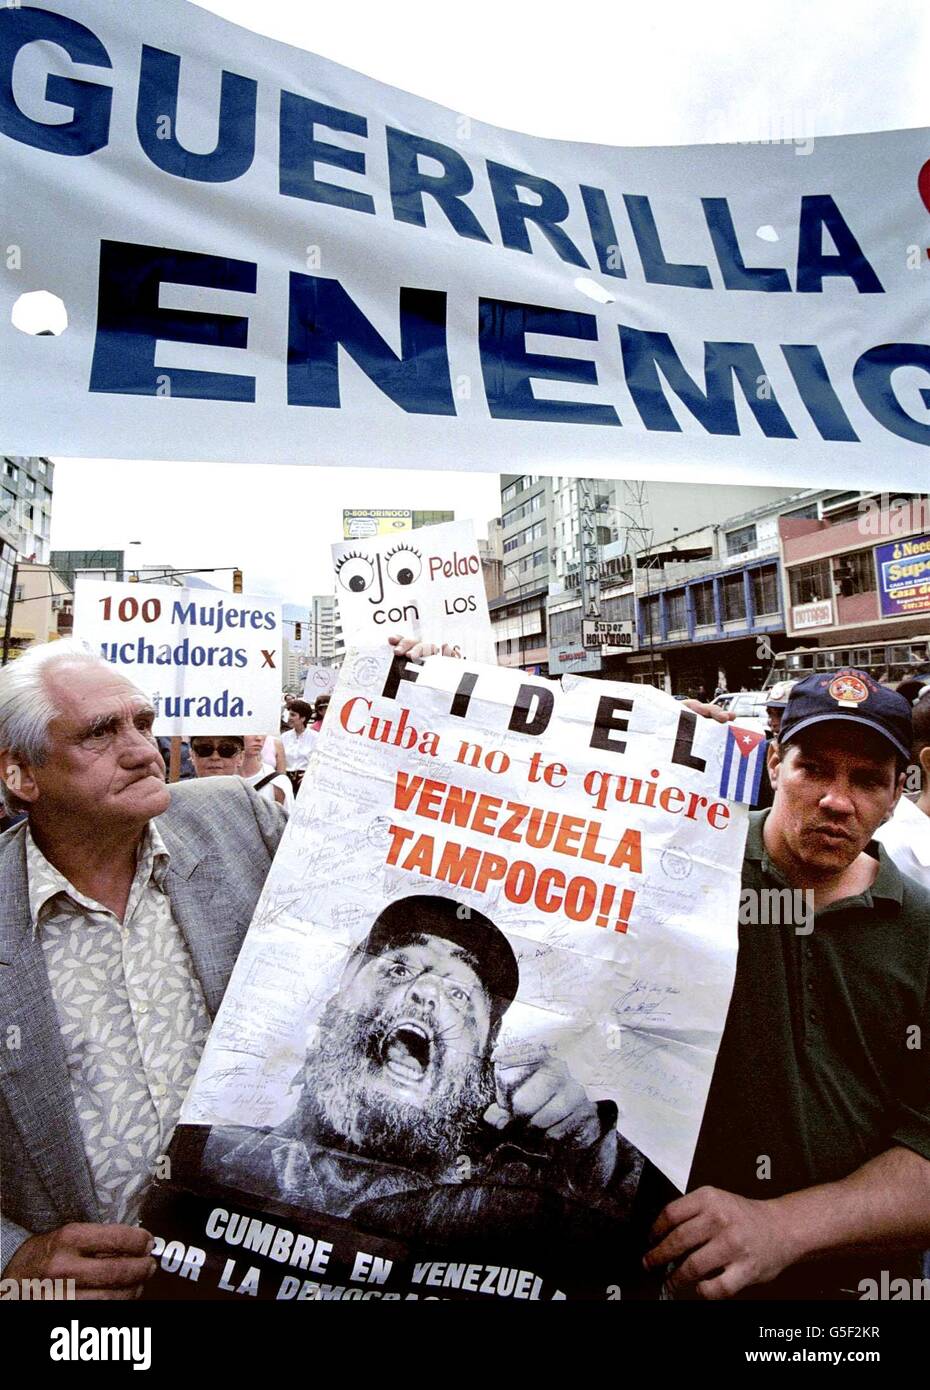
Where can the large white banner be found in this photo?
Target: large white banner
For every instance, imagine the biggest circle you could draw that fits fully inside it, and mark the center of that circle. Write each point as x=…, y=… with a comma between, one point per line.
x=269, y=256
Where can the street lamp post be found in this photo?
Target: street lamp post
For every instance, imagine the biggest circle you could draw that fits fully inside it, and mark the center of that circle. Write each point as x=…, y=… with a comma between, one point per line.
x=510, y=565
x=639, y=530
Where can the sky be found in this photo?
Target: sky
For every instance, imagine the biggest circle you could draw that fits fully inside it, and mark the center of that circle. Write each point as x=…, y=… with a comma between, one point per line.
x=616, y=74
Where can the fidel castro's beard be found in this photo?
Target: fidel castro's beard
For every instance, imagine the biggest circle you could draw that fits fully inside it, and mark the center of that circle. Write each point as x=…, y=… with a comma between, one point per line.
x=341, y=1108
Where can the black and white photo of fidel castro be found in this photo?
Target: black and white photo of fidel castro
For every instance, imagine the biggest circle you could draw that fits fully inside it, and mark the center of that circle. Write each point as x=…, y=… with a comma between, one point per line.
x=410, y=1121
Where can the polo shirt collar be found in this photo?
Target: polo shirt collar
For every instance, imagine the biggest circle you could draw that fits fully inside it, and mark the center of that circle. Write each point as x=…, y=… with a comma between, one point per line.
x=888, y=885
x=46, y=883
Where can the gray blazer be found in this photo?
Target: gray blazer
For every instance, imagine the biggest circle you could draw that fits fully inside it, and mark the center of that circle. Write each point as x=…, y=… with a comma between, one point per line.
x=221, y=837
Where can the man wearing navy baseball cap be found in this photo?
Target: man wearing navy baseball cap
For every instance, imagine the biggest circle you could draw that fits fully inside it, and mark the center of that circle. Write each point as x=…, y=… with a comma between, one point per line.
x=811, y=1177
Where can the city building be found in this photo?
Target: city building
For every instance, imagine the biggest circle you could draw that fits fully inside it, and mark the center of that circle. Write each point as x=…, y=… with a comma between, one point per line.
x=98, y=564
x=856, y=582
x=43, y=607
x=534, y=522
x=520, y=629
x=322, y=644
x=492, y=560
x=709, y=611
x=26, y=505
x=570, y=548
x=292, y=666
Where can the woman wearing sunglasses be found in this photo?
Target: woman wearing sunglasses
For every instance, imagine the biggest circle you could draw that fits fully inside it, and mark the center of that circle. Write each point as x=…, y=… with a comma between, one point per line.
x=225, y=756
x=217, y=757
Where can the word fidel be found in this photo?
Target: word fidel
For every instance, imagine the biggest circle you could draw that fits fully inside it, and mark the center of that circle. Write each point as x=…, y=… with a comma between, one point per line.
x=322, y=316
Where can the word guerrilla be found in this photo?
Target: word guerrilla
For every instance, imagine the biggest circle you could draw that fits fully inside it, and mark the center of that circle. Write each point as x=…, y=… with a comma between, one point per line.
x=302, y=147
x=613, y=231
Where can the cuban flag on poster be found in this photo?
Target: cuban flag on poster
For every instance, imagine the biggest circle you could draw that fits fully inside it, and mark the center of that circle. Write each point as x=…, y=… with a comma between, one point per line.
x=743, y=758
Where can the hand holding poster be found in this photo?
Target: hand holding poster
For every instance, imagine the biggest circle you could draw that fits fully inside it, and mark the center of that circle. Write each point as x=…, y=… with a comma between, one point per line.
x=426, y=584
x=209, y=661
x=490, y=969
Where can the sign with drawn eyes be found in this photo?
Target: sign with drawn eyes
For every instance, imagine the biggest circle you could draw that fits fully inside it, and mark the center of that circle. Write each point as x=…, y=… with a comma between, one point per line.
x=426, y=583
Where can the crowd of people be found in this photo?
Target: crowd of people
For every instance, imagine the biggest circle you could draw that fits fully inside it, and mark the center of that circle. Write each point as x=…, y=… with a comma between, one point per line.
x=125, y=901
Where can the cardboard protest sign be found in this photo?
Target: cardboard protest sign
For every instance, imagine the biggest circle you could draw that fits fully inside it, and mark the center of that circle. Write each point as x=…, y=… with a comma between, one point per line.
x=209, y=661
x=321, y=680
x=426, y=584
x=316, y=267
x=488, y=972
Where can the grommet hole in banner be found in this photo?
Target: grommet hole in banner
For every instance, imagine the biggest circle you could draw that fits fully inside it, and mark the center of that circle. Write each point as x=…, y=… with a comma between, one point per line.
x=594, y=291
x=40, y=313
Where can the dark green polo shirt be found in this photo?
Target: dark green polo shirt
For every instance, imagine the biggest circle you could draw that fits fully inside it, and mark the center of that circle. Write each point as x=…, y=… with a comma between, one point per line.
x=825, y=1057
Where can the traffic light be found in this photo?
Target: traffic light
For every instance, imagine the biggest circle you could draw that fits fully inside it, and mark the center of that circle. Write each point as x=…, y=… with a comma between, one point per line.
x=237, y=581
x=297, y=632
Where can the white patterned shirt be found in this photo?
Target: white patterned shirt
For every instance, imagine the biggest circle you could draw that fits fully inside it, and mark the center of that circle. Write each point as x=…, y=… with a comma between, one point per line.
x=132, y=1015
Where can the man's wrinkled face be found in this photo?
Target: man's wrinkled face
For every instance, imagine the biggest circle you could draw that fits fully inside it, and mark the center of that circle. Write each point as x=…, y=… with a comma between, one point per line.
x=402, y=1067
x=103, y=765
x=834, y=787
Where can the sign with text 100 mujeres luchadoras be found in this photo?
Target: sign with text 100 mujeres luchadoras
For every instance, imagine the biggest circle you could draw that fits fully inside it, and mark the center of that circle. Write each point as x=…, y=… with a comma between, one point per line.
x=209, y=661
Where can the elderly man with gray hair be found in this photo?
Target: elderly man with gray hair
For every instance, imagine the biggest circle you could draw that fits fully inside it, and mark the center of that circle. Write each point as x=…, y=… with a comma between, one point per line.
x=123, y=904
